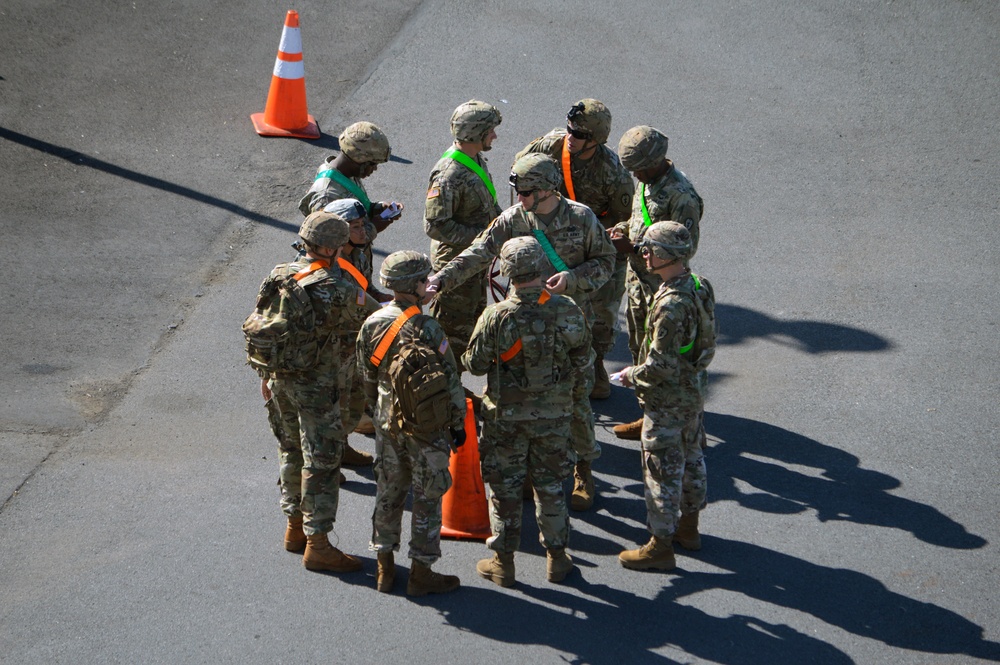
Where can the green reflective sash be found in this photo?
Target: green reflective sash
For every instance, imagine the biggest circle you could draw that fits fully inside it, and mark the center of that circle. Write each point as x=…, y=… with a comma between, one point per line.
x=470, y=163
x=351, y=186
x=550, y=251
x=687, y=347
x=645, y=211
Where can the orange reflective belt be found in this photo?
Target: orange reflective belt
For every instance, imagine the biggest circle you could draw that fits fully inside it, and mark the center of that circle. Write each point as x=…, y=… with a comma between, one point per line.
x=313, y=267
x=512, y=351
x=567, y=172
x=348, y=267
x=391, y=333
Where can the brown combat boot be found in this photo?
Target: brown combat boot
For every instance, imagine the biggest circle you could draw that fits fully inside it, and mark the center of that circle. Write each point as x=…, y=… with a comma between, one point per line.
x=295, y=537
x=321, y=555
x=354, y=457
x=423, y=581
x=657, y=554
x=583, y=487
x=499, y=569
x=687, y=535
x=386, y=571
x=558, y=564
x=366, y=425
x=602, y=382
x=631, y=431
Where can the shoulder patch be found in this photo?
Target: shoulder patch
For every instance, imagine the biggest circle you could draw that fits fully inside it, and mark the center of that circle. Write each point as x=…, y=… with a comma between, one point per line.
x=443, y=346
x=433, y=192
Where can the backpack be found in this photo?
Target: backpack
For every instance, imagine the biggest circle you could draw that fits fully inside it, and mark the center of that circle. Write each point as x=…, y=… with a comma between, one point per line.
x=280, y=332
x=535, y=371
x=702, y=347
x=421, y=400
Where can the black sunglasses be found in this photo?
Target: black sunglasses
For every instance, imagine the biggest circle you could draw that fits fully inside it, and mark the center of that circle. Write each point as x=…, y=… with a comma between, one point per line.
x=525, y=193
x=578, y=134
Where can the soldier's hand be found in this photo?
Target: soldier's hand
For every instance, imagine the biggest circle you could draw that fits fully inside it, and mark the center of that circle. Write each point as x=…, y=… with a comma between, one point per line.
x=557, y=283
x=433, y=286
x=457, y=438
x=622, y=244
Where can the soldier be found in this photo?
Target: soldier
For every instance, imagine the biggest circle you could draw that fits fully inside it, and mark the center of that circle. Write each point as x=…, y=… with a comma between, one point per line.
x=532, y=346
x=671, y=380
x=665, y=194
x=580, y=258
x=594, y=176
x=461, y=202
x=402, y=460
x=305, y=404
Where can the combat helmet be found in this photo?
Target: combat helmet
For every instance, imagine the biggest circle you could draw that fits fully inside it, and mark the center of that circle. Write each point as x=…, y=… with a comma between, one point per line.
x=365, y=143
x=348, y=209
x=670, y=241
x=474, y=120
x=642, y=147
x=521, y=259
x=402, y=270
x=325, y=229
x=591, y=116
x=534, y=171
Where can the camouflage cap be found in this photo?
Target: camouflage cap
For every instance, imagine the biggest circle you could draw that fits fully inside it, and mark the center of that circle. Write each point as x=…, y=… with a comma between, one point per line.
x=325, y=229
x=363, y=142
x=535, y=171
x=521, y=259
x=348, y=209
x=401, y=270
x=642, y=147
x=473, y=120
x=668, y=240
x=592, y=116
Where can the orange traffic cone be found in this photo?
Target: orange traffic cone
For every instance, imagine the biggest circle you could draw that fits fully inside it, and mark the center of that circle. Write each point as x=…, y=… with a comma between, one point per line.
x=463, y=508
x=285, y=113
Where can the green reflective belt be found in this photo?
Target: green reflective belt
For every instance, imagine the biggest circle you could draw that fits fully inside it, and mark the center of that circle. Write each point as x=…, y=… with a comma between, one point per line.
x=688, y=347
x=470, y=163
x=550, y=251
x=352, y=186
x=642, y=197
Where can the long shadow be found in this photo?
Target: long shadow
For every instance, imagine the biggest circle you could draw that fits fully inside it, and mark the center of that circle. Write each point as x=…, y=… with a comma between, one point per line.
x=737, y=324
x=81, y=159
x=756, y=452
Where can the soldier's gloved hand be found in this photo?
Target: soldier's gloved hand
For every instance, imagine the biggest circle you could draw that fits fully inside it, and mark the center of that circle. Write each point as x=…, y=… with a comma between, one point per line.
x=457, y=438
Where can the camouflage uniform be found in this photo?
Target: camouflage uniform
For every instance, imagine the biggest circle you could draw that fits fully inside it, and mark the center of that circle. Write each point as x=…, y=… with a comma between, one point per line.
x=352, y=394
x=671, y=198
x=526, y=434
x=672, y=390
x=325, y=189
x=304, y=413
x=458, y=208
x=602, y=184
x=403, y=461
x=582, y=244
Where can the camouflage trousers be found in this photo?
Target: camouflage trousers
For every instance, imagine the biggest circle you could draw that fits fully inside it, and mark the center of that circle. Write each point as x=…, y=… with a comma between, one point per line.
x=305, y=418
x=458, y=310
x=606, y=301
x=352, y=394
x=635, y=317
x=673, y=467
x=512, y=450
x=581, y=424
x=402, y=464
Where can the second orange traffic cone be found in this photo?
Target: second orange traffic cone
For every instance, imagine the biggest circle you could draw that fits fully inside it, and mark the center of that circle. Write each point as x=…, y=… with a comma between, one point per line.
x=286, y=112
x=464, y=513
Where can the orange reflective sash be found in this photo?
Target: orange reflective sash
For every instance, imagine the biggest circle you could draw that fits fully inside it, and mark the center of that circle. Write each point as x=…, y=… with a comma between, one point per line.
x=348, y=267
x=567, y=172
x=313, y=267
x=390, y=334
x=512, y=351
x=544, y=297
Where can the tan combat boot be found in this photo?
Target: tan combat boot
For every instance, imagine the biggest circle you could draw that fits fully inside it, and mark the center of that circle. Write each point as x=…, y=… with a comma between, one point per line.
x=558, y=564
x=386, y=571
x=366, y=425
x=321, y=555
x=295, y=537
x=631, y=431
x=657, y=554
x=499, y=569
x=354, y=457
x=687, y=535
x=602, y=382
x=583, y=487
x=423, y=581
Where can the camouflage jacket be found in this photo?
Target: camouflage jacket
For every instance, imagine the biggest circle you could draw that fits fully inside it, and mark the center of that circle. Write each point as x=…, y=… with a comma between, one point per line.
x=327, y=190
x=601, y=183
x=532, y=347
x=338, y=307
x=457, y=209
x=576, y=235
x=662, y=377
x=375, y=379
x=671, y=198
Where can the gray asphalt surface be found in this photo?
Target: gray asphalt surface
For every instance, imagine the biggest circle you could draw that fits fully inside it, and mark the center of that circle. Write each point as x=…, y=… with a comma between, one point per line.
x=847, y=157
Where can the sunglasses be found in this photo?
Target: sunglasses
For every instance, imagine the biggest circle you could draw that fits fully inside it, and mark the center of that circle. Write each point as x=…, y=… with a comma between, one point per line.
x=578, y=134
x=525, y=193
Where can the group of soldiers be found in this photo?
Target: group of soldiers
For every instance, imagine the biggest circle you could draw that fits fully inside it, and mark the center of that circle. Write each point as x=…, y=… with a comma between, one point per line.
x=578, y=240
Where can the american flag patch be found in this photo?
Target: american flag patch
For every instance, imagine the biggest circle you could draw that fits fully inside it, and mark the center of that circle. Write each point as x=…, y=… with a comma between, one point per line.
x=443, y=347
x=361, y=296
x=433, y=192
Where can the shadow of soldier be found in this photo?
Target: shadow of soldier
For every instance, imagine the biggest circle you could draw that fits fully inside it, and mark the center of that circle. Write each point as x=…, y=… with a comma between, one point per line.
x=757, y=454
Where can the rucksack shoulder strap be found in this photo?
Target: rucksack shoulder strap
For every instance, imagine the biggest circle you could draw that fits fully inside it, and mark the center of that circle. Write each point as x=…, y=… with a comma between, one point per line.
x=390, y=334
